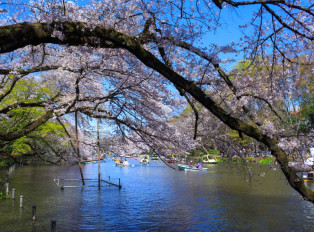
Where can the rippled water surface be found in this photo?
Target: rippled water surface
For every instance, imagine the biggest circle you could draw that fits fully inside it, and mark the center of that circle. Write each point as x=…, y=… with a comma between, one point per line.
x=155, y=198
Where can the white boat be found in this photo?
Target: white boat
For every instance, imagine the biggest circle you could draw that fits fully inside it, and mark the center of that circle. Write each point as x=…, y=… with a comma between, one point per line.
x=187, y=167
x=144, y=159
x=210, y=161
x=309, y=161
x=124, y=163
x=207, y=160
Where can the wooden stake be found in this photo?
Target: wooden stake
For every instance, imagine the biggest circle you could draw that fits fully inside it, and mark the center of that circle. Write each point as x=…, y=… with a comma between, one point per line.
x=7, y=177
x=62, y=185
x=98, y=147
x=53, y=225
x=78, y=149
x=34, y=213
x=21, y=201
x=6, y=189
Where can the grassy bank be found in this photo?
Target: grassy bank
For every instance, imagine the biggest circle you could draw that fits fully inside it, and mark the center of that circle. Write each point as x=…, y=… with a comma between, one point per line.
x=260, y=160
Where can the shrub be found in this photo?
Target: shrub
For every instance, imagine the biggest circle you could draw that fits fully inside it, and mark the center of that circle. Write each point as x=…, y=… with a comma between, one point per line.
x=266, y=161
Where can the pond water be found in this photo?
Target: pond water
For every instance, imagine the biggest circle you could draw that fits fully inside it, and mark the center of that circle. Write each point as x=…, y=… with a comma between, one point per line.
x=155, y=198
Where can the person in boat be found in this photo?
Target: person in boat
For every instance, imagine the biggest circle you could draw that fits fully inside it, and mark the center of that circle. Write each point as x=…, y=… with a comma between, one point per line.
x=199, y=165
x=190, y=164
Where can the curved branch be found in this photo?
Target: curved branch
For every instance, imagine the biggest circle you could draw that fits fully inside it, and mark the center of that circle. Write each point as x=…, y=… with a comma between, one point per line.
x=271, y=2
x=22, y=104
x=285, y=24
x=245, y=3
x=267, y=102
x=28, y=71
x=27, y=129
x=6, y=93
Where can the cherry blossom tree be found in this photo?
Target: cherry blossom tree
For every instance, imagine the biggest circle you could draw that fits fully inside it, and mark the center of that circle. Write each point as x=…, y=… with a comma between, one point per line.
x=122, y=56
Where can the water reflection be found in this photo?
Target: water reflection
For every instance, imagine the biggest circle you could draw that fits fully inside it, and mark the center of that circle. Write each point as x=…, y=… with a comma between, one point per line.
x=156, y=198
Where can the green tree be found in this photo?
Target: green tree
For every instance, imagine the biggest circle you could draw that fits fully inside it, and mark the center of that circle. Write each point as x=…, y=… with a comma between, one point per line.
x=22, y=106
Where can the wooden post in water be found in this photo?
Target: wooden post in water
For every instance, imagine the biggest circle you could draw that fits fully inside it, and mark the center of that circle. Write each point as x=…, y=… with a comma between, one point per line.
x=98, y=147
x=34, y=213
x=7, y=176
x=13, y=193
x=21, y=201
x=7, y=188
x=53, y=225
x=62, y=185
x=109, y=180
x=7, y=183
x=78, y=149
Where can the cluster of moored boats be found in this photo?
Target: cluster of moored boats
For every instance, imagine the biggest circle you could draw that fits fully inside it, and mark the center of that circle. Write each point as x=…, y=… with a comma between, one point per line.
x=122, y=161
x=145, y=159
x=306, y=168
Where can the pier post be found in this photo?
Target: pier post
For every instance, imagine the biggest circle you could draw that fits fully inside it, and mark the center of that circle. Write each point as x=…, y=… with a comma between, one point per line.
x=7, y=188
x=13, y=193
x=78, y=148
x=7, y=177
x=34, y=213
x=62, y=185
x=21, y=201
x=119, y=184
x=98, y=148
x=53, y=225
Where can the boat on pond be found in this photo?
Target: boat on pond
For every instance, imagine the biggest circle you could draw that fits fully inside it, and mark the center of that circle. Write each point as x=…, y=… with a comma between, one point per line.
x=190, y=168
x=122, y=163
x=207, y=160
x=172, y=159
x=91, y=160
x=309, y=161
x=144, y=159
x=155, y=157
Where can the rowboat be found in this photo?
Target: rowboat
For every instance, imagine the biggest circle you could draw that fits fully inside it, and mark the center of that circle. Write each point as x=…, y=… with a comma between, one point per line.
x=121, y=164
x=207, y=160
x=187, y=167
x=144, y=159
x=155, y=157
x=91, y=160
